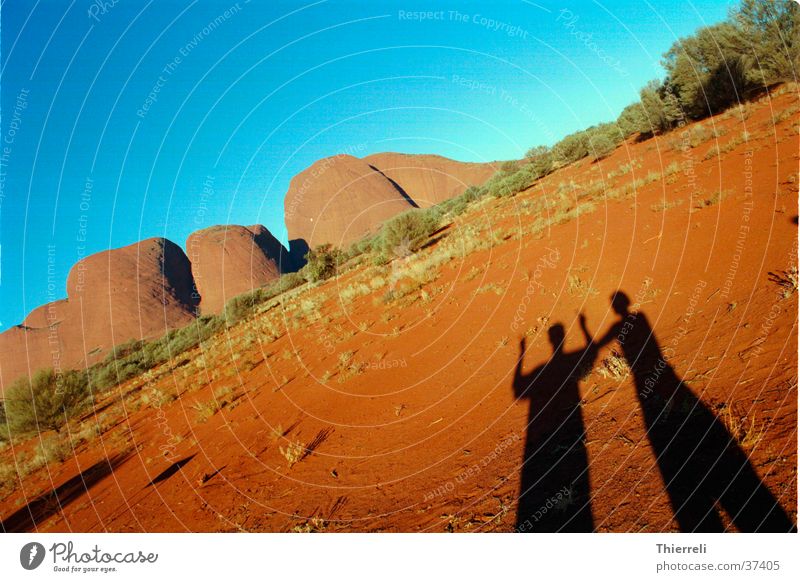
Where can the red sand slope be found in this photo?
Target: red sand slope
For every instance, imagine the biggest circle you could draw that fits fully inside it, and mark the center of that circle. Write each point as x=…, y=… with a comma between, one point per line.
x=406, y=399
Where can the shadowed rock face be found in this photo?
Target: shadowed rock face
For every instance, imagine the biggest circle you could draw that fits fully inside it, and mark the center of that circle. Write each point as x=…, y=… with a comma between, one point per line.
x=430, y=180
x=230, y=260
x=138, y=291
x=338, y=200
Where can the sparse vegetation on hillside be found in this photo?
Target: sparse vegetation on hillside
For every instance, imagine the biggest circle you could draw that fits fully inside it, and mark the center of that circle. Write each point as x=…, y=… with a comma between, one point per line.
x=601, y=145
x=47, y=402
x=711, y=70
x=407, y=232
x=133, y=358
x=717, y=67
x=721, y=65
x=321, y=263
x=243, y=305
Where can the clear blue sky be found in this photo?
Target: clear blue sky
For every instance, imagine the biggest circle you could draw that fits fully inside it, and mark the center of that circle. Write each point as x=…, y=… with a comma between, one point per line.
x=249, y=97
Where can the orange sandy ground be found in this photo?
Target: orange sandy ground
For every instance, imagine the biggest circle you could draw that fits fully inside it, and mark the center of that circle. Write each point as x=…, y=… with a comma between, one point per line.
x=433, y=440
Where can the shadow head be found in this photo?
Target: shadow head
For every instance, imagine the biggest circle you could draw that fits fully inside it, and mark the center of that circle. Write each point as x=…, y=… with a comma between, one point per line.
x=620, y=303
x=557, y=335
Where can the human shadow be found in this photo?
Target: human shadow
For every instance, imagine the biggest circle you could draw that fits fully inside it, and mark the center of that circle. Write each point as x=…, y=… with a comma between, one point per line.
x=702, y=466
x=554, y=491
x=48, y=504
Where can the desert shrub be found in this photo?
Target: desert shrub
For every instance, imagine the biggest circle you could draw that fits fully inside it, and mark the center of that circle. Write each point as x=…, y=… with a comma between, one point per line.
x=473, y=193
x=352, y=291
x=661, y=110
x=572, y=148
x=631, y=120
x=772, y=30
x=601, y=146
x=407, y=232
x=511, y=184
x=294, y=452
x=705, y=70
x=541, y=161
x=321, y=263
x=9, y=478
x=46, y=402
x=719, y=66
x=361, y=247
x=52, y=449
x=5, y=435
x=698, y=135
x=536, y=152
x=179, y=340
x=222, y=398
x=239, y=307
x=491, y=185
x=454, y=206
x=124, y=349
x=509, y=167
x=112, y=371
x=459, y=204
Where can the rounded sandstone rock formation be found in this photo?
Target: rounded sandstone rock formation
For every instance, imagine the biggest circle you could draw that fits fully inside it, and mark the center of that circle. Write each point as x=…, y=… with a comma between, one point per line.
x=339, y=200
x=230, y=260
x=138, y=291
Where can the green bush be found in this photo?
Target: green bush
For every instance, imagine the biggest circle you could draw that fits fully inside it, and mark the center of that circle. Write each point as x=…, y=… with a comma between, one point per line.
x=124, y=349
x=511, y=184
x=239, y=307
x=572, y=148
x=243, y=305
x=720, y=66
x=770, y=30
x=455, y=206
x=536, y=152
x=135, y=358
x=286, y=283
x=631, y=120
x=508, y=168
x=321, y=263
x=601, y=146
x=407, y=232
x=473, y=193
x=5, y=436
x=542, y=161
x=360, y=247
x=47, y=402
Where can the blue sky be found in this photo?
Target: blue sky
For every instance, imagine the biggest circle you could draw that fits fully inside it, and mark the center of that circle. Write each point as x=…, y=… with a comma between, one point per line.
x=127, y=120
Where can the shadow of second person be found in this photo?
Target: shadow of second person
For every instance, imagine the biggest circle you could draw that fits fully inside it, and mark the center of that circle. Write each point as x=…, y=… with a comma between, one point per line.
x=703, y=468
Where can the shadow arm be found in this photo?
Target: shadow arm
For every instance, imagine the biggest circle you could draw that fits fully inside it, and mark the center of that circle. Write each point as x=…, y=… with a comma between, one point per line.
x=609, y=336
x=586, y=334
x=519, y=377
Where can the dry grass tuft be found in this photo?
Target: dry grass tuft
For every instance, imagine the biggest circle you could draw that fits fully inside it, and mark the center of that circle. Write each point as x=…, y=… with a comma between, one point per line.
x=615, y=366
x=787, y=280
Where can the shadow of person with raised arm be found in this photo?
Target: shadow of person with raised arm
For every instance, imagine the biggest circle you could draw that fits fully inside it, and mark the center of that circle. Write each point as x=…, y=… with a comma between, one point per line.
x=554, y=490
x=703, y=468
